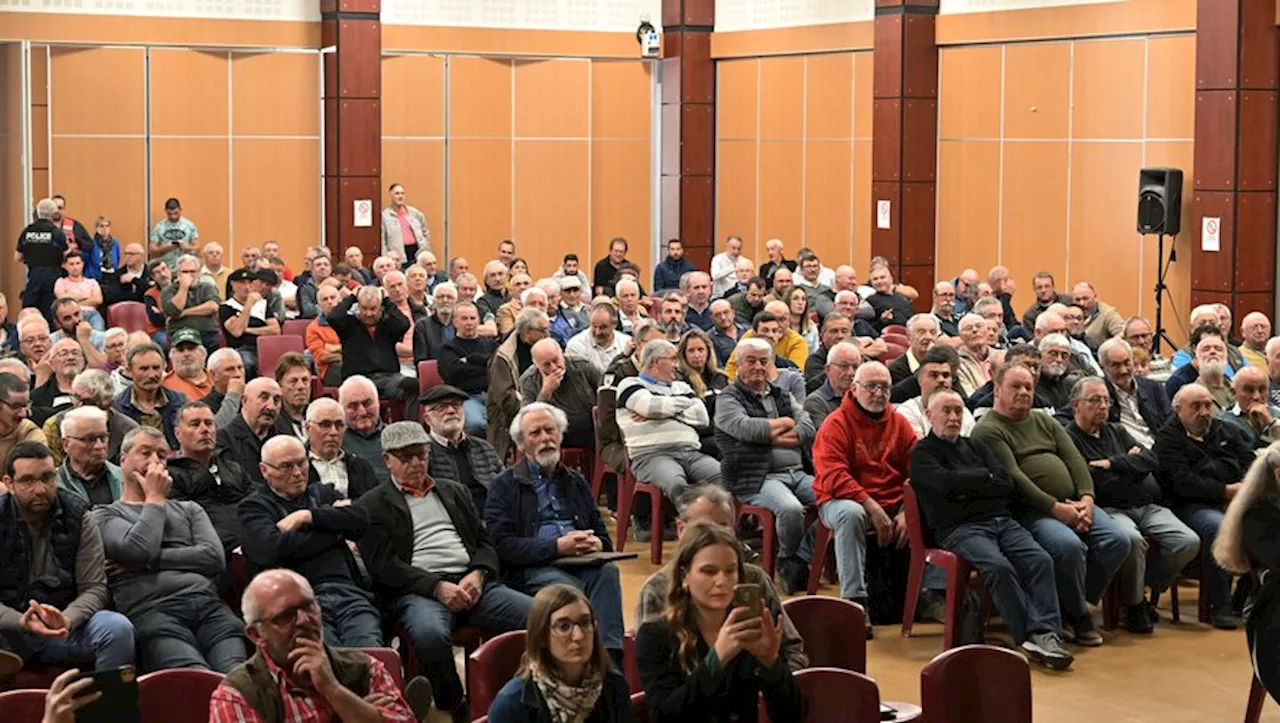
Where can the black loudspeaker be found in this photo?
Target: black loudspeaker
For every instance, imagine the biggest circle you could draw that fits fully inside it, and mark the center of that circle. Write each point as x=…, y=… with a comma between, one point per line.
x=1160, y=201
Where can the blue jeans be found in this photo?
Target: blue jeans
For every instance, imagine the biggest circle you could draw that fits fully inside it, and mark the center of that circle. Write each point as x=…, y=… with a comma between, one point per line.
x=1204, y=521
x=601, y=584
x=195, y=631
x=475, y=416
x=430, y=625
x=850, y=523
x=1175, y=542
x=350, y=619
x=105, y=639
x=1017, y=572
x=786, y=495
x=1084, y=563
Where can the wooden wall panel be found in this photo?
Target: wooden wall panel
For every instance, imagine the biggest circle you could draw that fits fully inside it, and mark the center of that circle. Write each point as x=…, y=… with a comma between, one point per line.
x=203, y=77
x=1107, y=88
x=863, y=95
x=828, y=195
x=1037, y=86
x=418, y=165
x=552, y=206
x=1034, y=210
x=1104, y=248
x=551, y=98
x=98, y=90
x=1171, y=87
x=621, y=98
x=736, y=194
x=781, y=195
x=412, y=96
x=40, y=137
x=480, y=97
x=195, y=171
x=78, y=168
x=275, y=94
x=268, y=175
x=782, y=92
x=828, y=110
x=621, y=188
x=969, y=94
x=736, y=104
x=862, y=207
x=968, y=206
x=1175, y=155
x=479, y=196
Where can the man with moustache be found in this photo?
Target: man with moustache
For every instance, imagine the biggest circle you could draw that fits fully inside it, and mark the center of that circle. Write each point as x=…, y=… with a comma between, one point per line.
x=146, y=401
x=1208, y=368
x=226, y=368
x=466, y=459
x=187, y=355
x=208, y=475
x=293, y=374
x=293, y=671
x=330, y=463
x=54, y=396
x=1056, y=379
x=244, y=437
x=432, y=332
x=85, y=470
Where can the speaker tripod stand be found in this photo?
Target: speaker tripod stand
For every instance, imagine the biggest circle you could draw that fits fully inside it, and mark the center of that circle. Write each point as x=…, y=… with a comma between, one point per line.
x=1162, y=273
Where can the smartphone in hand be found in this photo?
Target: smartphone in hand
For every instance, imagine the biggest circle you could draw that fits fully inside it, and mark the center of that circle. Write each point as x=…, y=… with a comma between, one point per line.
x=747, y=595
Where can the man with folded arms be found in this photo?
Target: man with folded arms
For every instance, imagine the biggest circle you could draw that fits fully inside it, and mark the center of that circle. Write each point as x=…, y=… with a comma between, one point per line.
x=455, y=455
x=350, y=475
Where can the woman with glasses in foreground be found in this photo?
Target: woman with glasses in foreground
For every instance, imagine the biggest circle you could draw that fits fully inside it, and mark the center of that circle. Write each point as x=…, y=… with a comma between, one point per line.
x=566, y=674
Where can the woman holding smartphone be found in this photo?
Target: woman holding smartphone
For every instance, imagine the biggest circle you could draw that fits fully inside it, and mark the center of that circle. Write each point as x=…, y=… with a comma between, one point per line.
x=708, y=659
x=566, y=674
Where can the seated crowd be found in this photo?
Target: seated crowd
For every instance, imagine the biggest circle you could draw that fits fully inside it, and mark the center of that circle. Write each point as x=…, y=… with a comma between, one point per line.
x=151, y=463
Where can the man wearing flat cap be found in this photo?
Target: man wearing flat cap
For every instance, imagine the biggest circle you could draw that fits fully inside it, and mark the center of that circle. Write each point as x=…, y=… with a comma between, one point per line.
x=455, y=455
x=432, y=562
x=571, y=317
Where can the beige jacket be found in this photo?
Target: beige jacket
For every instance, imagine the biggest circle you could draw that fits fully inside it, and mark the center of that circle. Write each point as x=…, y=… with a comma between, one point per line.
x=393, y=237
x=503, y=400
x=1104, y=324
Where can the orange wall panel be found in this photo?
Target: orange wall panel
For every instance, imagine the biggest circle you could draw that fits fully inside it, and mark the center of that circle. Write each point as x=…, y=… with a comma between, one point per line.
x=969, y=95
x=275, y=94
x=78, y=169
x=1107, y=85
x=1104, y=245
x=268, y=175
x=39, y=71
x=738, y=94
x=1171, y=87
x=1036, y=87
x=99, y=90
x=479, y=197
x=736, y=195
x=1034, y=212
x=863, y=94
x=828, y=195
x=480, y=97
x=551, y=98
x=1176, y=155
x=781, y=194
x=202, y=108
x=195, y=171
x=552, y=205
x=40, y=136
x=782, y=91
x=412, y=96
x=418, y=165
x=621, y=187
x=829, y=96
x=968, y=206
x=621, y=98
x=862, y=207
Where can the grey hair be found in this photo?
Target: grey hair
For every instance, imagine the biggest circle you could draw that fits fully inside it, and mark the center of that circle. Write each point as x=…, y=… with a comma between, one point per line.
x=131, y=437
x=468, y=276
x=353, y=381
x=368, y=293
x=46, y=208
x=655, y=350
x=249, y=604
x=842, y=346
x=870, y=367
x=112, y=333
x=280, y=440
x=1114, y=342
x=1045, y=317
x=318, y=404
x=81, y=414
x=1056, y=340
x=524, y=295
x=751, y=343
x=530, y=319
x=1204, y=310
x=915, y=321
x=562, y=421
x=219, y=356
x=20, y=370
x=1077, y=389
x=187, y=259
x=1272, y=344
x=986, y=301
x=444, y=286
x=97, y=384
x=943, y=393
x=628, y=283
x=644, y=328
x=846, y=292
x=34, y=321
x=715, y=494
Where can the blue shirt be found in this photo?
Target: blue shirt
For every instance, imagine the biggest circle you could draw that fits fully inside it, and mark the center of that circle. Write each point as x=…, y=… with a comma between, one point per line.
x=554, y=521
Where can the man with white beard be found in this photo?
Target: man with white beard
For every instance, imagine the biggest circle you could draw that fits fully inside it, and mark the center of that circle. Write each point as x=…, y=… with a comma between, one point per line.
x=1055, y=380
x=1208, y=368
x=455, y=455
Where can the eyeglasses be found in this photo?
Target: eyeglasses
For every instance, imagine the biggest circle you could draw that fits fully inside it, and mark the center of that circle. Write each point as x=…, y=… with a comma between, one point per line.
x=875, y=387
x=407, y=454
x=289, y=616
x=90, y=438
x=293, y=465
x=563, y=627
x=1097, y=401
x=48, y=479
x=843, y=366
x=331, y=424
x=24, y=407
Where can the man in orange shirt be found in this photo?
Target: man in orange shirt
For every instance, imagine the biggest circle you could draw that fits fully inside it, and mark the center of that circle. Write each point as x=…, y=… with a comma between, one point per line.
x=187, y=356
x=322, y=340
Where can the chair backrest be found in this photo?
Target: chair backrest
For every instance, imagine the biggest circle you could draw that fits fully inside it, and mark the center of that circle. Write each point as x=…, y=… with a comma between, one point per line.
x=296, y=327
x=976, y=683
x=271, y=348
x=390, y=659
x=892, y=352
x=180, y=694
x=896, y=329
x=917, y=534
x=491, y=666
x=835, y=694
x=428, y=375
x=630, y=664
x=639, y=708
x=128, y=315
x=891, y=337
x=833, y=630
x=27, y=705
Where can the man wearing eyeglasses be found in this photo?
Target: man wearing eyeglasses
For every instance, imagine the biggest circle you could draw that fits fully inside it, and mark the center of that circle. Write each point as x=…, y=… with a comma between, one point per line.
x=433, y=561
x=862, y=458
x=455, y=455
x=304, y=526
x=330, y=463
x=67, y=361
x=208, y=475
x=15, y=405
x=85, y=471
x=53, y=583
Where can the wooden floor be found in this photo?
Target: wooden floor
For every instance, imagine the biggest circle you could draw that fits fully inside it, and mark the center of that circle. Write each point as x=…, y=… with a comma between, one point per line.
x=1185, y=673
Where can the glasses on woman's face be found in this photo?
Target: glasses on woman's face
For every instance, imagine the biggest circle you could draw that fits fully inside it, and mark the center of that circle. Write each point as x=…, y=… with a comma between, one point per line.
x=563, y=627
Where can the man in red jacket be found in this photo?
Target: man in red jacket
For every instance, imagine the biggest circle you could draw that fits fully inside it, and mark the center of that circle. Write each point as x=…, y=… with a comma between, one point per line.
x=862, y=455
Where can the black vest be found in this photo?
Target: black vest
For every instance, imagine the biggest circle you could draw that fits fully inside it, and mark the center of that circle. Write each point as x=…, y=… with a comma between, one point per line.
x=66, y=517
x=743, y=465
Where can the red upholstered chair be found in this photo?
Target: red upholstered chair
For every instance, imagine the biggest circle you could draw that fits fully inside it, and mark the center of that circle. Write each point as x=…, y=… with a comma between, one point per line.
x=128, y=315
x=924, y=549
x=639, y=708
x=630, y=665
x=296, y=327
x=628, y=488
x=36, y=675
x=598, y=467
x=768, y=530
x=976, y=683
x=834, y=631
x=468, y=638
x=491, y=666
x=895, y=338
x=895, y=329
x=391, y=660
x=180, y=694
x=27, y=705
x=892, y=352
x=835, y=694
x=822, y=542
x=271, y=348
x=428, y=375
x=1257, y=696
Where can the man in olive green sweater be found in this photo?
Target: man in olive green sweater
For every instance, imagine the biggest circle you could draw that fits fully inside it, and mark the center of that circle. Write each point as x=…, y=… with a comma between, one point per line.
x=1055, y=490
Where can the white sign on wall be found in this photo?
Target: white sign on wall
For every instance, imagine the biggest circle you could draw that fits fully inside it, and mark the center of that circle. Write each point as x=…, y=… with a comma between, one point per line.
x=364, y=213
x=884, y=214
x=1211, y=234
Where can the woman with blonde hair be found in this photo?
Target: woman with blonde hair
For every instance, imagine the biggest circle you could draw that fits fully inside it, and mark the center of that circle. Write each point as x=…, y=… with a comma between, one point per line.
x=706, y=659
x=697, y=361
x=801, y=320
x=1248, y=543
x=566, y=674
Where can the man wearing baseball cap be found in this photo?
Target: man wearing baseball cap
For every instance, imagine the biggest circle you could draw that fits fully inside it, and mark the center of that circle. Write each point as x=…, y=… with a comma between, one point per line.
x=455, y=455
x=187, y=356
x=245, y=316
x=448, y=578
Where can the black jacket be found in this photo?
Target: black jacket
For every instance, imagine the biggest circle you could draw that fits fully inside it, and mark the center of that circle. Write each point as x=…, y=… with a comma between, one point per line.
x=114, y=290
x=958, y=482
x=387, y=548
x=244, y=446
x=360, y=476
x=1153, y=404
x=464, y=363
x=1198, y=471
x=511, y=514
x=219, y=489
x=317, y=551
x=1128, y=483
x=428, y=338
x=361, y=352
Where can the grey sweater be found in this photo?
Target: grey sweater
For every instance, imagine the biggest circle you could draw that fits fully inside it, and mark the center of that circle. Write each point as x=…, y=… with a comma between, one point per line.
x=159, y=552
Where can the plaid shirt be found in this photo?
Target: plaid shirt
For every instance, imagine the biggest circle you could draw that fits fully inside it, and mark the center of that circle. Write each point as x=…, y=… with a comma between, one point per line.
x=302, y=704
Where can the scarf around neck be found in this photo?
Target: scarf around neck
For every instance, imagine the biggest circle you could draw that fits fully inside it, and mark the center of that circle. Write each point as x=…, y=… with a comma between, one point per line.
x=569, y=703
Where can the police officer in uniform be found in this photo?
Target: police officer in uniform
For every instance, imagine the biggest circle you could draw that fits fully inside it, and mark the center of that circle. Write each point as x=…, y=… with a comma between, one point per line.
x=42, y=247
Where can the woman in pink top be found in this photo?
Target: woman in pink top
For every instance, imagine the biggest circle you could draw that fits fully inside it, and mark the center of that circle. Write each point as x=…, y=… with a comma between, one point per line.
x=84, y=290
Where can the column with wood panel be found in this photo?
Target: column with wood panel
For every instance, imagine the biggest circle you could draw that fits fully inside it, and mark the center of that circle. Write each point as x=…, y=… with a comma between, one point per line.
x=1235, y=155
x=905, y=140
x=688, y=128
x=352, y=37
